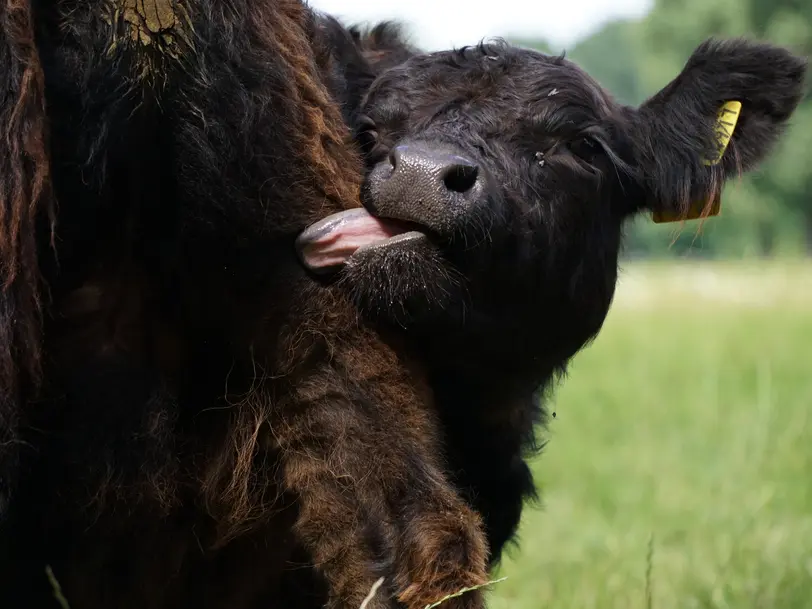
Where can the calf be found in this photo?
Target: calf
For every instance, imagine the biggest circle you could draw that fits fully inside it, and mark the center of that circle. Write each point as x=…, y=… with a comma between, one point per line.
x=498, y=183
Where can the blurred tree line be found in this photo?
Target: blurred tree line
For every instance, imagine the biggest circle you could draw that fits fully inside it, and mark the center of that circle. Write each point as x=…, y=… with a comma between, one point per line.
x=767, y=213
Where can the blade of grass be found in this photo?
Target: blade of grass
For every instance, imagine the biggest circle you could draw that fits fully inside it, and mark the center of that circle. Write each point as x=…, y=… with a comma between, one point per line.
x=463, y=591
x=60, y=598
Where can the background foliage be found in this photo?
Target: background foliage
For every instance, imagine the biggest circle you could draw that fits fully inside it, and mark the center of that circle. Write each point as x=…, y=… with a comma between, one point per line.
x=678, y=471
x=765, y=214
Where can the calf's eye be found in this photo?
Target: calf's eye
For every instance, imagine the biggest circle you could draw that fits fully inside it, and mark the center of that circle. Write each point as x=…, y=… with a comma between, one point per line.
x=367, y=140
x=585, y=147
x=365, y=122
x=367, y=134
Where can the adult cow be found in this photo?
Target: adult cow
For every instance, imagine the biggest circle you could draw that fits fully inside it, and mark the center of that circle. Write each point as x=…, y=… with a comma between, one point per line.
x=197, y=409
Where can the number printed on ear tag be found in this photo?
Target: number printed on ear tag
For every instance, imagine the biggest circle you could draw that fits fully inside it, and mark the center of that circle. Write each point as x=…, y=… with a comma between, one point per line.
x=725, y=124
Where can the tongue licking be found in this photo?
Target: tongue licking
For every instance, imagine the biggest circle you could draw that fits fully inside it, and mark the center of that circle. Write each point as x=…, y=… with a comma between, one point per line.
x=331, y=241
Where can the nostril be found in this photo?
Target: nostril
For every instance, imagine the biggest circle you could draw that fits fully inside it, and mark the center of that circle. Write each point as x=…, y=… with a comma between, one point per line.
x=394, y=156
x=460, y=178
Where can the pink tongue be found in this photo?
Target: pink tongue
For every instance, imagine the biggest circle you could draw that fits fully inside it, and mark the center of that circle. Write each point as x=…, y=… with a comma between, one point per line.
x=330, y=242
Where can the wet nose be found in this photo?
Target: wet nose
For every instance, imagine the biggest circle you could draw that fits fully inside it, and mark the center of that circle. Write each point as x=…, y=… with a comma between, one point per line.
x=430, y=184
x=437, y=171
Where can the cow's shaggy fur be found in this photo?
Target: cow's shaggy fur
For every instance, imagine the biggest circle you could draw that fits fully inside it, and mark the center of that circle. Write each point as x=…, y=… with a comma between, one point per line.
x=198, y=412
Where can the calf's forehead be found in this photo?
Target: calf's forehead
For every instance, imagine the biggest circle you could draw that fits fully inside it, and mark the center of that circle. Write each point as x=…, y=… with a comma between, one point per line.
x=497, y=80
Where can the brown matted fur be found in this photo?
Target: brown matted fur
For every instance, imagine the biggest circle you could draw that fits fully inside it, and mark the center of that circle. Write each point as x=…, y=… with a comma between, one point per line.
x=24, y=193
x=202, y=398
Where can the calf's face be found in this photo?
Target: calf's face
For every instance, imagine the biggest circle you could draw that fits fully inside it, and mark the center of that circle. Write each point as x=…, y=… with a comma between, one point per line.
x=499, y=180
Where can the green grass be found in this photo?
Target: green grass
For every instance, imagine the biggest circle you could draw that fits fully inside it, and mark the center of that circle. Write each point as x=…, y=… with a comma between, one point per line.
x=684, y=431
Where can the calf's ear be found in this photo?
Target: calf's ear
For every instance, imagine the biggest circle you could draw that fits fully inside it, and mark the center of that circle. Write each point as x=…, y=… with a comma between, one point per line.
x=682, y=139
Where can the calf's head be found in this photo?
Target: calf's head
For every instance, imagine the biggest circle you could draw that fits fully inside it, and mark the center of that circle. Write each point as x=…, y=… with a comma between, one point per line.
x=498, y=181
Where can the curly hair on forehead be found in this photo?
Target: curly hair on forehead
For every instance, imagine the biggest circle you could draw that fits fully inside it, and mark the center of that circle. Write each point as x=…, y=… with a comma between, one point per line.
x=25, y=195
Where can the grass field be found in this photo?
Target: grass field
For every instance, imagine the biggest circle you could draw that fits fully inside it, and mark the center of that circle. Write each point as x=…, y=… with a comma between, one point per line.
x=679, y=468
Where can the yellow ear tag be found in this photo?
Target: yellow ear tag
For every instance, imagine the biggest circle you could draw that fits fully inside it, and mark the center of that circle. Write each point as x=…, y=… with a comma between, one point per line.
x=726, y=121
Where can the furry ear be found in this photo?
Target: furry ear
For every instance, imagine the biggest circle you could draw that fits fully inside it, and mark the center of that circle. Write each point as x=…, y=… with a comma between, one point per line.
x=675, y=132
x=349, y=72
x=24, y=193
x=383, y=46
x=361, y=55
